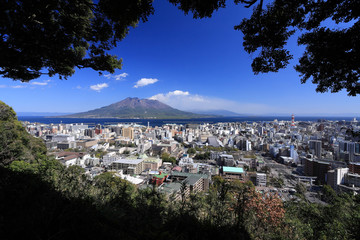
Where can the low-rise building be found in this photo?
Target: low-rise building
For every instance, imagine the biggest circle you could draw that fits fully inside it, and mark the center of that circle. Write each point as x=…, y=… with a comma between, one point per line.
x=152, y=163
x=87, y=143
x=159, y=179
x=129, y=166
x=233, y=173
x=261, y=179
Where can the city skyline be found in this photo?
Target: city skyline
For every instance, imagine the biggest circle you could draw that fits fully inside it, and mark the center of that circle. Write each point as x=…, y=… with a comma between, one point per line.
x=188, y=64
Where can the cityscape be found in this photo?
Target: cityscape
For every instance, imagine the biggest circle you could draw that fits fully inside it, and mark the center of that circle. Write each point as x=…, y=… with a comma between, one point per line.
x=180, y=119
x=275, y=156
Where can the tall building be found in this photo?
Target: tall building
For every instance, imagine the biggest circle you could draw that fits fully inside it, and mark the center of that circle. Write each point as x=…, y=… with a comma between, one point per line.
x=349, y=147
x=128, y=132
x=89, y=132
x=315, y=147
x=317, y=168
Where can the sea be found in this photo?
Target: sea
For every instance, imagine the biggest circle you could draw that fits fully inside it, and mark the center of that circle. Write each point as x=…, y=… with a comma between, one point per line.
x=160, y=122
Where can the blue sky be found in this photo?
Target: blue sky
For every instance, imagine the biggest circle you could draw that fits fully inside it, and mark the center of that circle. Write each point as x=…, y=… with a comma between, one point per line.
x=188, y=63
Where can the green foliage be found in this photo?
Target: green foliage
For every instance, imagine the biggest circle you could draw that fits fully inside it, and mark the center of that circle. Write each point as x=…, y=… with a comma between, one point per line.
x=191, y=151
x=61, y=35
x=167, y=158
x=337, y=220
x=126, y=152
x=277, y=182
x=217, y=149
x=328, y=58
x=99, y=153
x=202, y=156
x=31, y=208
x=126, y=145
x=300, y=189
x=24, y=167
x=328, y=194
x=15, y=142
x=6, y=112
x=114, y=202
x=266, y=169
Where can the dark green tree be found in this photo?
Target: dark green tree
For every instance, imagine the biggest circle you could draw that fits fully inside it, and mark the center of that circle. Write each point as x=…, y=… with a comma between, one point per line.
x=167, y=158
x=328, y=194
x=300, y=189
x=15, y=142
x=191, y=151
x=56, y=36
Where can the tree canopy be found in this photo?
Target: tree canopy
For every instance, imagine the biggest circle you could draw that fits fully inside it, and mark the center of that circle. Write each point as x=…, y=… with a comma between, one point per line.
x=15, y=142
x=56, y=36
x=331, y=59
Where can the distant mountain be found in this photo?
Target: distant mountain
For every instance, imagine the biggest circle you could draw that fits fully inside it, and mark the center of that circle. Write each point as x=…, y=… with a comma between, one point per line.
x=132, y=108
x=223, y=113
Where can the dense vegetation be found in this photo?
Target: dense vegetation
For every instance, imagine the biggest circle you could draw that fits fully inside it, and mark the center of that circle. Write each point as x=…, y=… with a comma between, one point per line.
x=15, y=142
x=165, y=157
x=41, y=198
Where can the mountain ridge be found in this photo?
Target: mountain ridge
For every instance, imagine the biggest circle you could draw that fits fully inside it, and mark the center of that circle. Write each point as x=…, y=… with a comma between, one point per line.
x=135, y=108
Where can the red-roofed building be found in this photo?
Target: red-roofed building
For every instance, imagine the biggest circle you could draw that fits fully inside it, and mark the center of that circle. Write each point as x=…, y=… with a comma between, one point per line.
x=177, y=168
x=158, y=179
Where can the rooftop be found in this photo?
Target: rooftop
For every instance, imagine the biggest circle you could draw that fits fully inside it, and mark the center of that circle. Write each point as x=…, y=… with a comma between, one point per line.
x=129, y=161
x=191, y=180
x=170, y=187
x=162, y=175
x=233, y=169
x=184, y=174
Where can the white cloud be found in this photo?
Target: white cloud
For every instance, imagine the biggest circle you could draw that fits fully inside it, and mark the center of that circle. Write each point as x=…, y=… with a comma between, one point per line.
x=18, y=86
x=44, y=83
x=186, y=101
x=166, y=97
x=40, y=83
x=179, y=92
x=145, y=81
x=26, y=85
x=118, y=77
x=78, y=87
x=98, y=87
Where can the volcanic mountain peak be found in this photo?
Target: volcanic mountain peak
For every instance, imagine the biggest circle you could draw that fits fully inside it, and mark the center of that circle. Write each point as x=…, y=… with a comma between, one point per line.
x=140, y=103
x=130, y=108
